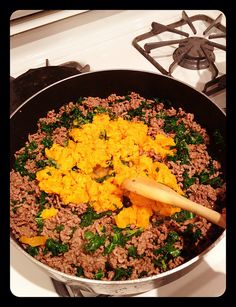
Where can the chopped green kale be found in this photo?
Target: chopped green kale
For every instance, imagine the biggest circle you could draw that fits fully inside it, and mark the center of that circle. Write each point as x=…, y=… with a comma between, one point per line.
x=52, y=162
x=136, y=112
x=203, y=177
x=192, y=232
x=14, y=202
x=14, y=209
x=59, y=228
x=139, y=111
x=187, y=182
x=41, y=163
x=40, y=224
x=65, y=120
x=183, y=137
x=160, y=262
x=182, y=152
x=103, y=229
x=99, y=274
x=47, y=142
x=121, y=237
x=90, y=216
x=129, y=233
x=193, y=137
x=182, y=216
x=94, y=241
x=20, y=162
x=32, y=250
x=172, y=237
x=121, y=273
x=73, y=229
x=171, y=125
x=132, y=251
x=41, y=200
x=55, y=247
x=215, y=182
x=157, y=100
x=167, y=251
x=32, y=146
x=100, y=109
x=79, y=271
x=80, y=118
x=31, y=176
x=48, y=128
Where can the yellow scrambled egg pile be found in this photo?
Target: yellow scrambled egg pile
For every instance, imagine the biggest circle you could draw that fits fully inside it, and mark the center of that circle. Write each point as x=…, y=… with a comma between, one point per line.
x=97, y=159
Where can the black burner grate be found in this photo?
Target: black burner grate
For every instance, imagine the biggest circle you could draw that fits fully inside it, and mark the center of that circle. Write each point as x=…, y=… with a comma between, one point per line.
x=193, y=52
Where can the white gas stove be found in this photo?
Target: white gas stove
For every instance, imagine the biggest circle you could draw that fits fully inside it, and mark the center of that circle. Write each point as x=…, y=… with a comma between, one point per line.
x=103, y=39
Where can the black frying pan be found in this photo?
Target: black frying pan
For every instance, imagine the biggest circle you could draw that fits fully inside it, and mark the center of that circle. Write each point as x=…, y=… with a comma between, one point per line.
x=102, y=84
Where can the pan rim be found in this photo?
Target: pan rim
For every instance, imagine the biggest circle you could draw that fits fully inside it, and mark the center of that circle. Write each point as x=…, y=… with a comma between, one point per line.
x=112, y=70
x=122, y=282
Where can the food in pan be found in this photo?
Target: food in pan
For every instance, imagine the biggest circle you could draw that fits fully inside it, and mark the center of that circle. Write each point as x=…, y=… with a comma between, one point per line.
x=68, y=209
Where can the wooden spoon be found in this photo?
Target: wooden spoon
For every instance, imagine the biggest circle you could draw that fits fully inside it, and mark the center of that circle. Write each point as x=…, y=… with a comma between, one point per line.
x=160, y=192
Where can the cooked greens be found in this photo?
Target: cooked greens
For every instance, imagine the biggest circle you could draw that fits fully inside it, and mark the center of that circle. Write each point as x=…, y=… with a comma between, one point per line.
x=79, y=271
x=182, y=216
x=55, y=247
x=47, y=142
x=99, y=274
x=122, y=273
x=94, y=241
x=121, y=237
x=32, y=250
x=167, y=251
x=90, y=216
x=59, y=228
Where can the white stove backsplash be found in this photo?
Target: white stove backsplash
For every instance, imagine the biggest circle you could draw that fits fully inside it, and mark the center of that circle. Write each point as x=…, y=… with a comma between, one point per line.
x=103, y=39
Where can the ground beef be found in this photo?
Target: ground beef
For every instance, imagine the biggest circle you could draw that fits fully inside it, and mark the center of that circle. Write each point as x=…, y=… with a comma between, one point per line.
x=164, y=245
x=203, y=194
x=60, y=136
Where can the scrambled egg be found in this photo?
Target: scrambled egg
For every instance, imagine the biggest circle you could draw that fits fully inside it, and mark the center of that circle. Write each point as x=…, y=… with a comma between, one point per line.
x=97, y=159
x=33, y=241
x=134, y=215
x=47, y=213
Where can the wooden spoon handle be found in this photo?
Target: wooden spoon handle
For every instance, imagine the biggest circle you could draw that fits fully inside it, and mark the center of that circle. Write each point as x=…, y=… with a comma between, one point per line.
x=159, y=192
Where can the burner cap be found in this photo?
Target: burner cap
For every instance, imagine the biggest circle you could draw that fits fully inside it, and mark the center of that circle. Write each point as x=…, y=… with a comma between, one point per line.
x=194, y=53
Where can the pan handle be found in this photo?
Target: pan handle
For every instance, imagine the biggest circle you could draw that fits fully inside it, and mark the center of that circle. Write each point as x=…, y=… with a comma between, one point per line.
x=215, y=85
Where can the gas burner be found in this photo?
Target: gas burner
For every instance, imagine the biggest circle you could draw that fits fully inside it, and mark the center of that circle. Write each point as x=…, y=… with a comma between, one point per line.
x=193, y=52
x=32, y=81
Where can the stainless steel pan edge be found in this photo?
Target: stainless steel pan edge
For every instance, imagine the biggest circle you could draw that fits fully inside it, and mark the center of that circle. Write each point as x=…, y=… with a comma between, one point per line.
x=126, y=287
